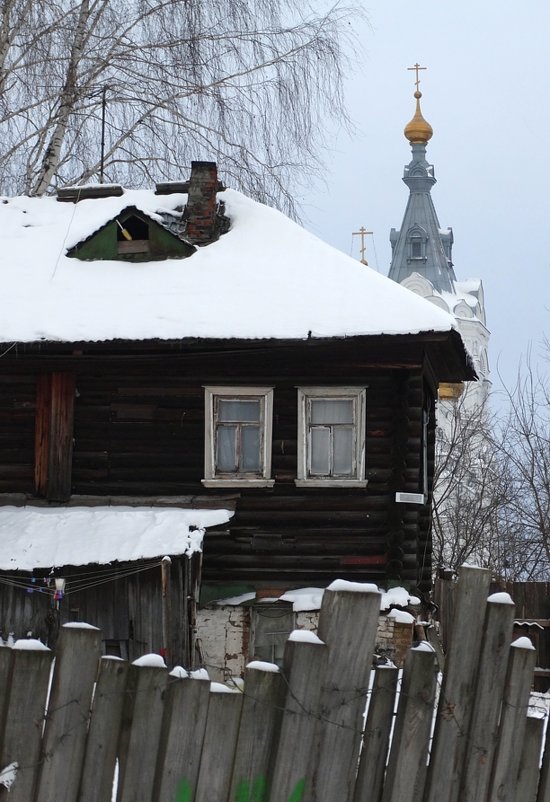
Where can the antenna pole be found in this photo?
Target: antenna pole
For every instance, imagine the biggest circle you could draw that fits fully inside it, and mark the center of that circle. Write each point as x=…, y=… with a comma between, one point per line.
x=103, y=111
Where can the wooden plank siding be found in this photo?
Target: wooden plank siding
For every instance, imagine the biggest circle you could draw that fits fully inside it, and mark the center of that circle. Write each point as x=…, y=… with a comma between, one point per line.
x=17, y=414
x=139, y=431
x=55, y=394
x=124, y=601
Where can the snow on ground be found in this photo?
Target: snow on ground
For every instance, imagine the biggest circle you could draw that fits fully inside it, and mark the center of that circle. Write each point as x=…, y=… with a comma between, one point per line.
x=44, y=537
x=291, y=284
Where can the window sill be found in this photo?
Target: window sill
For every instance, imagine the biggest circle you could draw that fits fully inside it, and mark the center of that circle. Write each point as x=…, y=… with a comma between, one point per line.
x=238, y=482
x=331, y=482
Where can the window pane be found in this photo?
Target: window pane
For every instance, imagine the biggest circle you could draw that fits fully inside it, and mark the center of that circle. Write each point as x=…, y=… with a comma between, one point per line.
x=226, y=451
x=238, y=410
x=328, y=410
x=320, y=451
x=343, y=451
x=250, y=448
x=416, y=247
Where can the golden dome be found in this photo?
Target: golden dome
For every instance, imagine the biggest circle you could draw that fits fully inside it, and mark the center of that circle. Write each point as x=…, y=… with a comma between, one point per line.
x=418, y=131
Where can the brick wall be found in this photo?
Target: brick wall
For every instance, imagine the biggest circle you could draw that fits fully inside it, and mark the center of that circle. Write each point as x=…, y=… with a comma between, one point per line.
x=223, y=635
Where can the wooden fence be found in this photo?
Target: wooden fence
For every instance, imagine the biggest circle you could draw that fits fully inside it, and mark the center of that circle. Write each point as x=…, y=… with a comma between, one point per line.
x=532, y=602
x=290, y=735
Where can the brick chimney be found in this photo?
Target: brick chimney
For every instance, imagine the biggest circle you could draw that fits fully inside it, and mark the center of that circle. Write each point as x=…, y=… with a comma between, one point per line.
x=201, y=203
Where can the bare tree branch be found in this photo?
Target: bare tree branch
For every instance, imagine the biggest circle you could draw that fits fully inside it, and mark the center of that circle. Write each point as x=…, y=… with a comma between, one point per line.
x=252, y=85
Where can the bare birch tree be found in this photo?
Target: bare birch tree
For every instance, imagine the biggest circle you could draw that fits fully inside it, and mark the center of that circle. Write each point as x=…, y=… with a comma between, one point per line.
x=492, y=485
x=251, y=84
x=470, y=490
x=523, y=444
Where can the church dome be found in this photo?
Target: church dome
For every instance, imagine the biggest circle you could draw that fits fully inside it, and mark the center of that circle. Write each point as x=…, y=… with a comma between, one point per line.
x=418, y=131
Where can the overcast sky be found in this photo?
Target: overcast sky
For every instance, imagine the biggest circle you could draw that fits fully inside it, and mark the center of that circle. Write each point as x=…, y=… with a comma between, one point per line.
x=485, y=93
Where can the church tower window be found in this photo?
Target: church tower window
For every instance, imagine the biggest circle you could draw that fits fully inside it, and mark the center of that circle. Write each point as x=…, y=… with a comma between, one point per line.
x=416, y=248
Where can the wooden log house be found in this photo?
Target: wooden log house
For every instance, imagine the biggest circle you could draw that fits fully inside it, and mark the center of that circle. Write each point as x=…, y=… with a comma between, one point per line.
x=193, y=349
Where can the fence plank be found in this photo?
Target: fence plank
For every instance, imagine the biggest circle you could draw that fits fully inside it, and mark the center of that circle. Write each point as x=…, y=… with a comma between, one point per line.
x=140, y=730
x=77, y=654
x=6, y=659
x=482, y=739
x=220, y=739
x=543, y=793
x=103, y=733
x=405, y=774
x=513, y=720
x=304, y=669
x=528, y=775
x=457, y=692
x=25, y=713
x=347, y=624
x=264, y=692
x=372, y=764
x=181, y=737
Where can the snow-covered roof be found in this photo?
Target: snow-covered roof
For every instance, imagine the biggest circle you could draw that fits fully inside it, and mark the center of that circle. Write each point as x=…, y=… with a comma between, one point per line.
x=45, y=537
x=266, y=278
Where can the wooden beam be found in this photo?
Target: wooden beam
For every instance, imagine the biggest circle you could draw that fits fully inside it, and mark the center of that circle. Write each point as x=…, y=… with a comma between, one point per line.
x=55, y=394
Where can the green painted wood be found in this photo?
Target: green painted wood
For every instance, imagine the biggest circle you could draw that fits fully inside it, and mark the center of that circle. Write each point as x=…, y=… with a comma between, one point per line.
x=162, y=244
x=218, y=750
x=181, y=736
x=263, y=700
x=303, y=671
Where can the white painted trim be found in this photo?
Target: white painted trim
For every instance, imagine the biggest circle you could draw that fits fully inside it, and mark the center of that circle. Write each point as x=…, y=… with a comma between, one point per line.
x=210, y=477
x=331, y=482
x=359, y=396
x=238, y=482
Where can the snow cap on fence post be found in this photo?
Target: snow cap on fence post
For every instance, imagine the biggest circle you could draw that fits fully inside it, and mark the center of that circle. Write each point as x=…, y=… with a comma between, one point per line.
x=458, y=688
x=348, y=623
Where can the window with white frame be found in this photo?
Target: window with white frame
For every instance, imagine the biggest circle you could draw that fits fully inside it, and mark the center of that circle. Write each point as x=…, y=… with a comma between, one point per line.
x=238, y=426
x=331, y=436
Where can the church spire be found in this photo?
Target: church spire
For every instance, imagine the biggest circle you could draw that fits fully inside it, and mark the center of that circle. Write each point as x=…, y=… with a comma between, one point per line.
x=420, y=246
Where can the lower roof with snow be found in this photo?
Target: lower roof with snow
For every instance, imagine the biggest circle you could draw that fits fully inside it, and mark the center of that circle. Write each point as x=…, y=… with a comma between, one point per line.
x=46, y=537
x=265, y=278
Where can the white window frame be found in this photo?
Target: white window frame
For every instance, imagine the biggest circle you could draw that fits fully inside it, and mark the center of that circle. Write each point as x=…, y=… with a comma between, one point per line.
x=359, y=397
x=213, y=478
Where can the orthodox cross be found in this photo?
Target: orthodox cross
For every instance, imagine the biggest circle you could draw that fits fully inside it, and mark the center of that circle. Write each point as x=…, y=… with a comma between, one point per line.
x=362, y=233
x=417, y=68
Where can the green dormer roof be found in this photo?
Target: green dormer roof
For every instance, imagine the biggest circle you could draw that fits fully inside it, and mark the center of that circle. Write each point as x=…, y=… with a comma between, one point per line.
x=134, y=236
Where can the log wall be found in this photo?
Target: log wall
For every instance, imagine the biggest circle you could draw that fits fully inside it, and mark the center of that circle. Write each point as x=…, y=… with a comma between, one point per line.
x=139, y=431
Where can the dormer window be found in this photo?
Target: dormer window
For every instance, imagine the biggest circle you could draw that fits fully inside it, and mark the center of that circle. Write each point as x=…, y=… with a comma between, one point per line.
x=416, y=248
x=416, y=241
x=132, y=235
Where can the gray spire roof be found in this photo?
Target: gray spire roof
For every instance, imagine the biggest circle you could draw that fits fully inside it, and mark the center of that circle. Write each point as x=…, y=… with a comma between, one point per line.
x=420, y=246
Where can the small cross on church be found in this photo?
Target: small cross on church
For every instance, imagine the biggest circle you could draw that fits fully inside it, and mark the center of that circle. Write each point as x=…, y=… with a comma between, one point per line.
x=362, y=233
x=417, y=69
